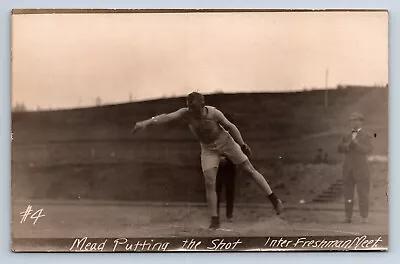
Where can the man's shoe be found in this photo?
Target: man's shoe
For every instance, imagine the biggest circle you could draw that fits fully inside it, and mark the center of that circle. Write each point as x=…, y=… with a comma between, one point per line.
x=279, y=207
x=364, y=220
x=230, y=219
x=214, y=223
x=347, y=220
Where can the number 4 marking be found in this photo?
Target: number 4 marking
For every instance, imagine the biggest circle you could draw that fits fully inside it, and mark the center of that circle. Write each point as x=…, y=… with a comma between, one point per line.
x=37, y=215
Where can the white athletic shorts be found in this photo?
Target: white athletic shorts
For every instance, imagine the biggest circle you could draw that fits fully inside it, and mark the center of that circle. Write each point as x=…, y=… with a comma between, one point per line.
x=224, y=145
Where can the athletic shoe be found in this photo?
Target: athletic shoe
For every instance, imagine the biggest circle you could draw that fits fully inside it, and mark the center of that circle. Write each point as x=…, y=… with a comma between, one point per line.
x=214, y=223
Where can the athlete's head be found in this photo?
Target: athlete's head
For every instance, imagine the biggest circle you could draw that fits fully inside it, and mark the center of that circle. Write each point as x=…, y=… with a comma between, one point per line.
x=195, y=103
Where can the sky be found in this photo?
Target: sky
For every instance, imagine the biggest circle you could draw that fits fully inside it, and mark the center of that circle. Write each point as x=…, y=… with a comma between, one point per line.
x=68, y=60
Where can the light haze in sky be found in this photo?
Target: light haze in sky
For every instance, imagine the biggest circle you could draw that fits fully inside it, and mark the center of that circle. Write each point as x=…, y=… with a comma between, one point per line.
x=67, y=60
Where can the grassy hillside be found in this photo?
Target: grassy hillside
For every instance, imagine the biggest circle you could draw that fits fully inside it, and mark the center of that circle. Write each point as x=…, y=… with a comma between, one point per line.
x=294, y=123
x=90, y=152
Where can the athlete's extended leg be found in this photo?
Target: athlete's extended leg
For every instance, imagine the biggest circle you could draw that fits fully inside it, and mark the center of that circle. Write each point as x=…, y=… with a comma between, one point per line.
x=248, y=168
x=234, y=152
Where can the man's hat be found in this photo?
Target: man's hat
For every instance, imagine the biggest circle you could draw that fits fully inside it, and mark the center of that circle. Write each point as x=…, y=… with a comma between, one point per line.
x=356, y=116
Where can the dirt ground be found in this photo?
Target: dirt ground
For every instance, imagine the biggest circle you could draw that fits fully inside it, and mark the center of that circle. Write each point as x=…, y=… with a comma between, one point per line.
x=97, y=219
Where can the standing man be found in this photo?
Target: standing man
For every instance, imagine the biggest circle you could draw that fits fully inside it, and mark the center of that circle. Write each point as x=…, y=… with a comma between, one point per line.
x=226, y=177
x=217, y=137
x=356, y=145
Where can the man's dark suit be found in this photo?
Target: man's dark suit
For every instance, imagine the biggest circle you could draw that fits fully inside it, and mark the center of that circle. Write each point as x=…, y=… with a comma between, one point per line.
x=356, y=171
x=226, y=177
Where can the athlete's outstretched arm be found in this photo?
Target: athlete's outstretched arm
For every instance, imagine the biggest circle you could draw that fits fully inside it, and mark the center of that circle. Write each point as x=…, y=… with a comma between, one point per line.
x=228, y=125
x=160, y=119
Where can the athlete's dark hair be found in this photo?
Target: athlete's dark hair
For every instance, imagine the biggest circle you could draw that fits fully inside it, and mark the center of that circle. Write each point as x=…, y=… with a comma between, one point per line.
x=195, y=96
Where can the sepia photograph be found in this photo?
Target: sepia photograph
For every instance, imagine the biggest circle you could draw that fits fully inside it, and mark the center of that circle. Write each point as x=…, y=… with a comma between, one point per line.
x=199, y=130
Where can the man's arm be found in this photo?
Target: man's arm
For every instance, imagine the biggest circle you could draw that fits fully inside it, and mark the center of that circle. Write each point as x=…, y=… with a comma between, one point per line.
x=343, y=146
x=160, y=119
x=363, y=145
x=228, y=125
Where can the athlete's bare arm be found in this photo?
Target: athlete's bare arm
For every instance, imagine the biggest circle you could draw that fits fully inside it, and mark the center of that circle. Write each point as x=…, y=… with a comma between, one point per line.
x=160, y=119
x=228, y=125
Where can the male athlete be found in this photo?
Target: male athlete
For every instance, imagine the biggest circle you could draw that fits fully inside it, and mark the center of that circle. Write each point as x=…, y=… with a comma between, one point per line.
x=217, y=136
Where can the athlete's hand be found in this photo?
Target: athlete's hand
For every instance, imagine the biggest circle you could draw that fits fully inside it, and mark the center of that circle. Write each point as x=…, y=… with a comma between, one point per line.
x=246, y=150
x=138, y=127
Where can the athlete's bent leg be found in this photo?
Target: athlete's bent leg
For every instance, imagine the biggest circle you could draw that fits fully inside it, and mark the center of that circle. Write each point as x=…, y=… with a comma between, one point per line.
x=210, y=159
x=211, y=194
x=210, y=176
